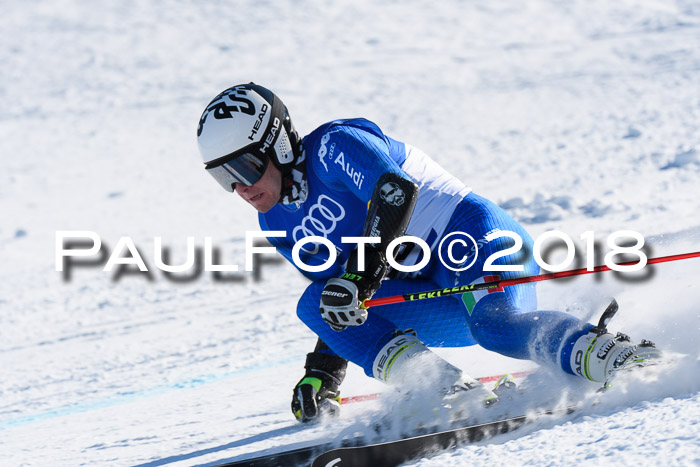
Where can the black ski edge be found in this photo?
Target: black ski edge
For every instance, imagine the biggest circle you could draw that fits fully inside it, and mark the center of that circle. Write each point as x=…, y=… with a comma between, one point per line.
x=394, y=453
x=300, y=456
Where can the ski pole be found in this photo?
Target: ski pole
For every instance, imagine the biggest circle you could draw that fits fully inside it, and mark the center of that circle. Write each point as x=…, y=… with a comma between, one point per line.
x=497, y=284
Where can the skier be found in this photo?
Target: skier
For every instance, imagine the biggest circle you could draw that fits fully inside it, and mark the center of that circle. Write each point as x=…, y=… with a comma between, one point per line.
x=348, y=179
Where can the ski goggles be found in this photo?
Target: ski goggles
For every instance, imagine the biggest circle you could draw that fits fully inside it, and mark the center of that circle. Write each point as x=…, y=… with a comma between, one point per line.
x=246, y=168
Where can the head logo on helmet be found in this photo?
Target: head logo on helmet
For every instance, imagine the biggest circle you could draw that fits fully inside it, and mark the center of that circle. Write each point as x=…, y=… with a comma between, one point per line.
x=258, y=123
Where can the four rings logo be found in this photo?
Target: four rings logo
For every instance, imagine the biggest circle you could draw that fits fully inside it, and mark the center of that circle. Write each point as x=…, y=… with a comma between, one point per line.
x=321, y=221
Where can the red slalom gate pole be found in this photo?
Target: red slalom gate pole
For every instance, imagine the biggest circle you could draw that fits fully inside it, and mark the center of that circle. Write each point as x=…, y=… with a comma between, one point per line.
x=483, y=379
x=497, y=284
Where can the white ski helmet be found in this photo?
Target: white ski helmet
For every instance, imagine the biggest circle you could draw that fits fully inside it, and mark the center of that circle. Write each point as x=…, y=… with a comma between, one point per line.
x=241, y=131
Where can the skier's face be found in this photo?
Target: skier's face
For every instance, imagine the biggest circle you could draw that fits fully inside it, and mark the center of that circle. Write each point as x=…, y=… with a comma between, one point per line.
x=264, y=193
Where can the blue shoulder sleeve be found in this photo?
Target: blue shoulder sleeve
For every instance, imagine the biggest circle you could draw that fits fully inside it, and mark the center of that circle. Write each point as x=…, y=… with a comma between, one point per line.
x=352, y=155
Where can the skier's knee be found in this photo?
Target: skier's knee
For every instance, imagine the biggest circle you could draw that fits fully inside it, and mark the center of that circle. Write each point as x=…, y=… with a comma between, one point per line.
x=308, y=304
x=484, y=335
x=493, y=328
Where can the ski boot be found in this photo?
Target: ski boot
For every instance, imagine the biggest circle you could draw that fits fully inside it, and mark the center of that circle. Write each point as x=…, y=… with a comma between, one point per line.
x=406, y=363
x=503, y=389
x=598, y=355
x=433, y=393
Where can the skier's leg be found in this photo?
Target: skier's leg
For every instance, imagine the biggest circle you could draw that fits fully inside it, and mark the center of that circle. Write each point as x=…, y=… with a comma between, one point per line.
x=438, y=323
x=552, y=337
x=401, y=359
x=498, y=323
x=505, y=321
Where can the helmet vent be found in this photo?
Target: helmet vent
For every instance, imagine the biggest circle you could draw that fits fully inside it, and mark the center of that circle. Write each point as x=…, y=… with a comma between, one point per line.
x=284, y=149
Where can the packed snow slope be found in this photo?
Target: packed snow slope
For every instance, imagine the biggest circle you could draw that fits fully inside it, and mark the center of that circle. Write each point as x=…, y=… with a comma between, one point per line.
x=577, y=116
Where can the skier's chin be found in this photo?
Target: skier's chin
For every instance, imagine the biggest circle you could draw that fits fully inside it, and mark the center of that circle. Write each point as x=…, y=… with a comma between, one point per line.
x=263, y=204
x=263, y=210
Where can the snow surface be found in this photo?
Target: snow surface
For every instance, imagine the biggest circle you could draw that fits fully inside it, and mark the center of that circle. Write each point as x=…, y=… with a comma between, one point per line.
x=576, y=116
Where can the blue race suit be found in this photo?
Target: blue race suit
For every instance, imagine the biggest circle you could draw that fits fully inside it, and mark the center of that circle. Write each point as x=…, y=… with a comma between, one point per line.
x=344, y=160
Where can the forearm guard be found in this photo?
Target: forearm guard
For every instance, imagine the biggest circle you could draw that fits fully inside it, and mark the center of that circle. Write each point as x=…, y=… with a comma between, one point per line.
x=389, y=213
x=390, y=209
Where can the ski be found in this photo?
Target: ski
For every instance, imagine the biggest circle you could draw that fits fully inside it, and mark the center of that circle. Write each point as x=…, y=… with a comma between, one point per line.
x=300, y=456
x=397, y=452
x=305, y=455
x=394, y=453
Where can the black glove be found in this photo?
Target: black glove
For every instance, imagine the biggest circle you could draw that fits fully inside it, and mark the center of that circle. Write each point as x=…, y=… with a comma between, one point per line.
x=342, y=298
x=317, y=393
